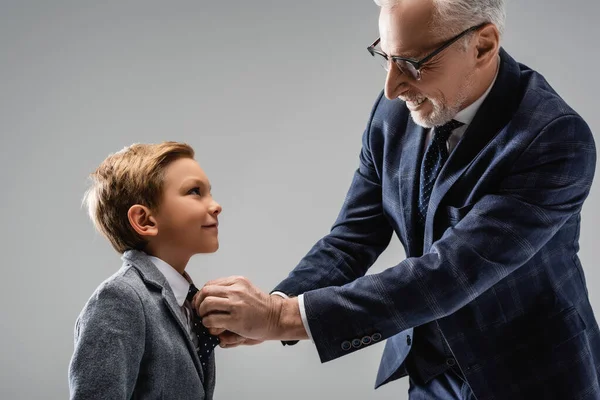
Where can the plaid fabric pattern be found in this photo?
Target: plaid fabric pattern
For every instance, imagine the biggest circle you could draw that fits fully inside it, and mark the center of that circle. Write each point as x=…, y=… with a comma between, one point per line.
x=497, y=264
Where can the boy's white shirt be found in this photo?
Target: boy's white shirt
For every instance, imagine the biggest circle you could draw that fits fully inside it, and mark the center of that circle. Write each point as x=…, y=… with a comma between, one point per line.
x=180, y=287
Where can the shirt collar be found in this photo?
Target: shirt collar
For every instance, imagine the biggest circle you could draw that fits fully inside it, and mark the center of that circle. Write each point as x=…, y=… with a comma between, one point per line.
x=179, y=284
x=467, y=114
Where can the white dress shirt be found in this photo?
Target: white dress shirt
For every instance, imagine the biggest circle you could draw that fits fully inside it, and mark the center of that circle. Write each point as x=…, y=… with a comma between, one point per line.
x=465, y=116
x=180, y=287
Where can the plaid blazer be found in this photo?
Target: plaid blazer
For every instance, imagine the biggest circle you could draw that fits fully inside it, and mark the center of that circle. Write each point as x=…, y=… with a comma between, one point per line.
x=497, y=268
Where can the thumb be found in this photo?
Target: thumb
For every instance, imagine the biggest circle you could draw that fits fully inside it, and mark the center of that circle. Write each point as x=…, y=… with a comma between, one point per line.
x=229, y=338
x=216, y=331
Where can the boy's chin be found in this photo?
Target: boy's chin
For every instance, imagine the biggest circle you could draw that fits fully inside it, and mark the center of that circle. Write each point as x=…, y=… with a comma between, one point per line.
x=208, y=249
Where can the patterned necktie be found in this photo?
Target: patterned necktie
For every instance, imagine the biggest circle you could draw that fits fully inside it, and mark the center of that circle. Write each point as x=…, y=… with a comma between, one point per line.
x=206, y=341
x=433, y=161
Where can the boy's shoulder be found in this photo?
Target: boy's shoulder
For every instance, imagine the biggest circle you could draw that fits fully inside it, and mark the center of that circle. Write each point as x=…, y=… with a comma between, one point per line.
x=132, y=282
x=125, y=279
x=124, y=287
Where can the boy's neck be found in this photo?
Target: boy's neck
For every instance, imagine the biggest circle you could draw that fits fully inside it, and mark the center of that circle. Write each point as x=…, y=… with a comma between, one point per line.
x=176, y=261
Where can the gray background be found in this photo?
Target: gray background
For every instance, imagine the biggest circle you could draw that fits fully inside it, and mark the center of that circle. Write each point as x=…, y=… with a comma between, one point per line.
x=274, y=97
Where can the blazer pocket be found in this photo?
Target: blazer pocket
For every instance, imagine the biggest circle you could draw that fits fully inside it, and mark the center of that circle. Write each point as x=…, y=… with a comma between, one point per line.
x=455, y=214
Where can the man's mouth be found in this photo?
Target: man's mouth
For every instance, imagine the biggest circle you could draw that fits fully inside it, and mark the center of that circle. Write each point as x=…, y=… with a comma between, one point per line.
x=414, y=103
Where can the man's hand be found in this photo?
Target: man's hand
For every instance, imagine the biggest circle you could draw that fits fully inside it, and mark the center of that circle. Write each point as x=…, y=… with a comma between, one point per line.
x=236, y=305
x=229, y=339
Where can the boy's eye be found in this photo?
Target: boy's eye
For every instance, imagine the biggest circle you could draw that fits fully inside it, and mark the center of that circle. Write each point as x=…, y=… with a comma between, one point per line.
x=195, y=190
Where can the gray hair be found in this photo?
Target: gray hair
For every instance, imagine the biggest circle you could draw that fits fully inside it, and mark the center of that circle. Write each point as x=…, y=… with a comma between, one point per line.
x=455, y=16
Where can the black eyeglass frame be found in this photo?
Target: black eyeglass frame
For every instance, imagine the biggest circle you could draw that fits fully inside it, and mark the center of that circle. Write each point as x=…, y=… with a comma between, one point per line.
x=418, y=64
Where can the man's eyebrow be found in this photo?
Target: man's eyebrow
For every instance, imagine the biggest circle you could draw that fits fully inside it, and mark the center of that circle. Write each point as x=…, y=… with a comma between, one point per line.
x=413, y=54
x=396, y=52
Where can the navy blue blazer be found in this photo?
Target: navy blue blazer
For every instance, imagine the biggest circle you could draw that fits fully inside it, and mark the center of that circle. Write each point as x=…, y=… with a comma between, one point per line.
x=497, y=268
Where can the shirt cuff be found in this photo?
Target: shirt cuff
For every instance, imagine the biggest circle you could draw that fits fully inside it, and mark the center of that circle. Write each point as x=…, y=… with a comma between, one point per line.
x=303, y=315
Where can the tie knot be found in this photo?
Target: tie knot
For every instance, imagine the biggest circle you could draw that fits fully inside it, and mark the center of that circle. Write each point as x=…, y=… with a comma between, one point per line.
x=443, y=132
x=191, y=292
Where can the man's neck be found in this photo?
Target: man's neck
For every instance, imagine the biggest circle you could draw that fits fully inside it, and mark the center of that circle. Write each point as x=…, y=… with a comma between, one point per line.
x=487, y=78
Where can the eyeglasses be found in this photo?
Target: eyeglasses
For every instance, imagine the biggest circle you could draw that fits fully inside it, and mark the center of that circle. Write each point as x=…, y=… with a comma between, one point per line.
x=410, y=67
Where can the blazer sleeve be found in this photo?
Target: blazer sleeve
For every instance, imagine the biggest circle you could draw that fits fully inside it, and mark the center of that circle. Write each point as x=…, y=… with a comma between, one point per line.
x=109, y=344
x=545, y=187
x=359, y=235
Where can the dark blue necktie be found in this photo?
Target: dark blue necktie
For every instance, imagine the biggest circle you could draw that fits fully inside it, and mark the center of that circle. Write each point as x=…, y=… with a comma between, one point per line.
x=433, y=161
x=206, y=341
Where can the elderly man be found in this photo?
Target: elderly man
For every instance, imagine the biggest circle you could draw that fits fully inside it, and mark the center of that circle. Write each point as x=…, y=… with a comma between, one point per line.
x=481, y=170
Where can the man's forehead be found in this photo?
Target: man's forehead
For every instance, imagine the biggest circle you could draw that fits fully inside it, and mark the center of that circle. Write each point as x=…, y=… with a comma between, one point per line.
x=406, y=26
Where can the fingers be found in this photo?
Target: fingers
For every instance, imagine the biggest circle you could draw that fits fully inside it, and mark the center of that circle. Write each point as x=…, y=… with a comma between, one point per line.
x=228, y=338
x=212, y=305
x=216, y=331
x=229, y=346
x=208, y=291
x=252, y=342
x=228, y=281
x=221, y=287
x=218, y=321
x=246, y=342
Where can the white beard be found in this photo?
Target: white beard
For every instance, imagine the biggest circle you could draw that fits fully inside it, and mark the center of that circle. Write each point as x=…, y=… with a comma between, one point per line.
x=442, y=112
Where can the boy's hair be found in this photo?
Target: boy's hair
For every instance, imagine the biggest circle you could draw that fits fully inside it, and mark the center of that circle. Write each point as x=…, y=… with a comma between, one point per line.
x=131, y=176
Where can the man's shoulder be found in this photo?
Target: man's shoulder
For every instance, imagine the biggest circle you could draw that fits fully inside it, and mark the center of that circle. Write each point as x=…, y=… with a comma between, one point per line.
x=539, y=98
x=541, y=114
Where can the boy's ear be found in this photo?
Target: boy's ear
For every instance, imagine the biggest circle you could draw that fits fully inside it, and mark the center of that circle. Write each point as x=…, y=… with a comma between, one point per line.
x=141, y=219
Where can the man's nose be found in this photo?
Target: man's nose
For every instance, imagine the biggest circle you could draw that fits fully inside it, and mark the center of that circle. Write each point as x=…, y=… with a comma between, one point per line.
x=394, y=82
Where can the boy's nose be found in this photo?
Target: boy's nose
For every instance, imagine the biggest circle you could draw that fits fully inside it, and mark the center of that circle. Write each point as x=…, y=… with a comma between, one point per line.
x=216, y=208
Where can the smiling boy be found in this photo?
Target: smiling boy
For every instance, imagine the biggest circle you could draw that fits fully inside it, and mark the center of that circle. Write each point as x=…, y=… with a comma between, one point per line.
x=137, y=336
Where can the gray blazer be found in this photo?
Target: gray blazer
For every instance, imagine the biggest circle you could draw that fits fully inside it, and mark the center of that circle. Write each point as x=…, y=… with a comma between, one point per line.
x=131, y=341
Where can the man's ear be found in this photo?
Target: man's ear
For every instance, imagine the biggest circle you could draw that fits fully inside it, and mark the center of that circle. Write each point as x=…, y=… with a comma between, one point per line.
x=487, y=44
x=141, y=219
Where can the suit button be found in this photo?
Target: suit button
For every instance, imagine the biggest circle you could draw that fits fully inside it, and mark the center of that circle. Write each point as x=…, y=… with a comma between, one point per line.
x=346, y=345
x=408, y=340
x=376, y=337
x=356, y=343
x=450, y=362
x=366, y=340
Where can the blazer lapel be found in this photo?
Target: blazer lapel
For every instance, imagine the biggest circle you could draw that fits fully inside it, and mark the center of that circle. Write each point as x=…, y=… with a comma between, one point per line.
x=173, y=306
x=493, y=114
x=410, y=170
x=153, y=277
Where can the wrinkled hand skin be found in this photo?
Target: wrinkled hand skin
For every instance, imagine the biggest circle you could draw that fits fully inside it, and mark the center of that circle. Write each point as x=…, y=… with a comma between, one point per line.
x=241, y=314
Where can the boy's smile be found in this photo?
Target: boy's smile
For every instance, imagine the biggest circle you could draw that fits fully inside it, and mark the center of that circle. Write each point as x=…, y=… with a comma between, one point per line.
x=187, y=217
